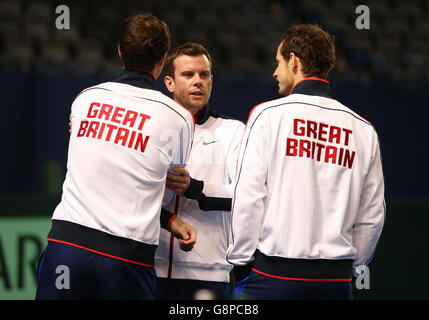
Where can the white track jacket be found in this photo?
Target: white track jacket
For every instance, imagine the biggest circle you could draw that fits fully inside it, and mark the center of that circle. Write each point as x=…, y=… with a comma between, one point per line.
x=309, y=184
x=212, y=162
x=125, y=137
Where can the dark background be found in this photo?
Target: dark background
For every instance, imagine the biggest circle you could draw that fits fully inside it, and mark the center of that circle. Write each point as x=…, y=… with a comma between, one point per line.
x=381, y=73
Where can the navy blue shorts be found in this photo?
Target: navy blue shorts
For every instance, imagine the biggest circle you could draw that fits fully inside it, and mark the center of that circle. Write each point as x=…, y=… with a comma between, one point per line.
x=185, y=289
x=69, y=273
x=259, y=287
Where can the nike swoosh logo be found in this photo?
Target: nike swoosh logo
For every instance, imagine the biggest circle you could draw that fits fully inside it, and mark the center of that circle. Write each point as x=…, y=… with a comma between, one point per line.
x=210, y=142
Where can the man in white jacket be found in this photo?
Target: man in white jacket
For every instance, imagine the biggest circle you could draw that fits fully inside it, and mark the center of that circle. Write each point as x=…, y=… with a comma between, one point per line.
x=203, y=201
x=106, y=228
x=308, y=205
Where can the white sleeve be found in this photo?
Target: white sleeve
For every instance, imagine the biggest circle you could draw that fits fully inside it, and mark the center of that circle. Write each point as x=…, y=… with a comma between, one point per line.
x=168, y=197
x=370, y=217
x=226, y=190
x=181, y=145
x=250, y=191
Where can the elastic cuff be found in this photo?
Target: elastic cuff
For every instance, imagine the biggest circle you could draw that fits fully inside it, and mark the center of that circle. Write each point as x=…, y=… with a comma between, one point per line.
x=217, y=204
x=195, y=190
x=165, y=218
x=169, y=221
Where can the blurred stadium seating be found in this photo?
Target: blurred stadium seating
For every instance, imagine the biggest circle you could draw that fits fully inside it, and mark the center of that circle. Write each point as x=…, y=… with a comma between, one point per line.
x=393, y=48
x=240, y=34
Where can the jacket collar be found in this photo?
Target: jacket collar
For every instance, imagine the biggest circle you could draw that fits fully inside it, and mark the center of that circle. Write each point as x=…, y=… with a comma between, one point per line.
x=203, y=115
x=313, y=87
x=137, y=78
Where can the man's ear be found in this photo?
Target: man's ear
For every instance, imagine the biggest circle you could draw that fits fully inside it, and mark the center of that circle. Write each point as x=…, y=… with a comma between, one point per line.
x=295, y=63
x=292, y=60
x=169, y=83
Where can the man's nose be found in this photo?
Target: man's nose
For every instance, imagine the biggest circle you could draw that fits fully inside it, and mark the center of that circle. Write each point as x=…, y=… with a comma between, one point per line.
x=198, y=81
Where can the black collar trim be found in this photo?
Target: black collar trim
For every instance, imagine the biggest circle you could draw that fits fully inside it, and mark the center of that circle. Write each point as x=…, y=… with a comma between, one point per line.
x=136, y=78
x=313, y=87
x=203, y=115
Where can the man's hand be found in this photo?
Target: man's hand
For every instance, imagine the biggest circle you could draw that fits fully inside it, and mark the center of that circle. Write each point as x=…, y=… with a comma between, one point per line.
x=186, y=234
x=179, y=182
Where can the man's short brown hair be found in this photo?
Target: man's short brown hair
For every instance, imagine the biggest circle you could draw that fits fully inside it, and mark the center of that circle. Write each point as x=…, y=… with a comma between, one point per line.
x=189, y=49
x=143, y=40
x=313, y=46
